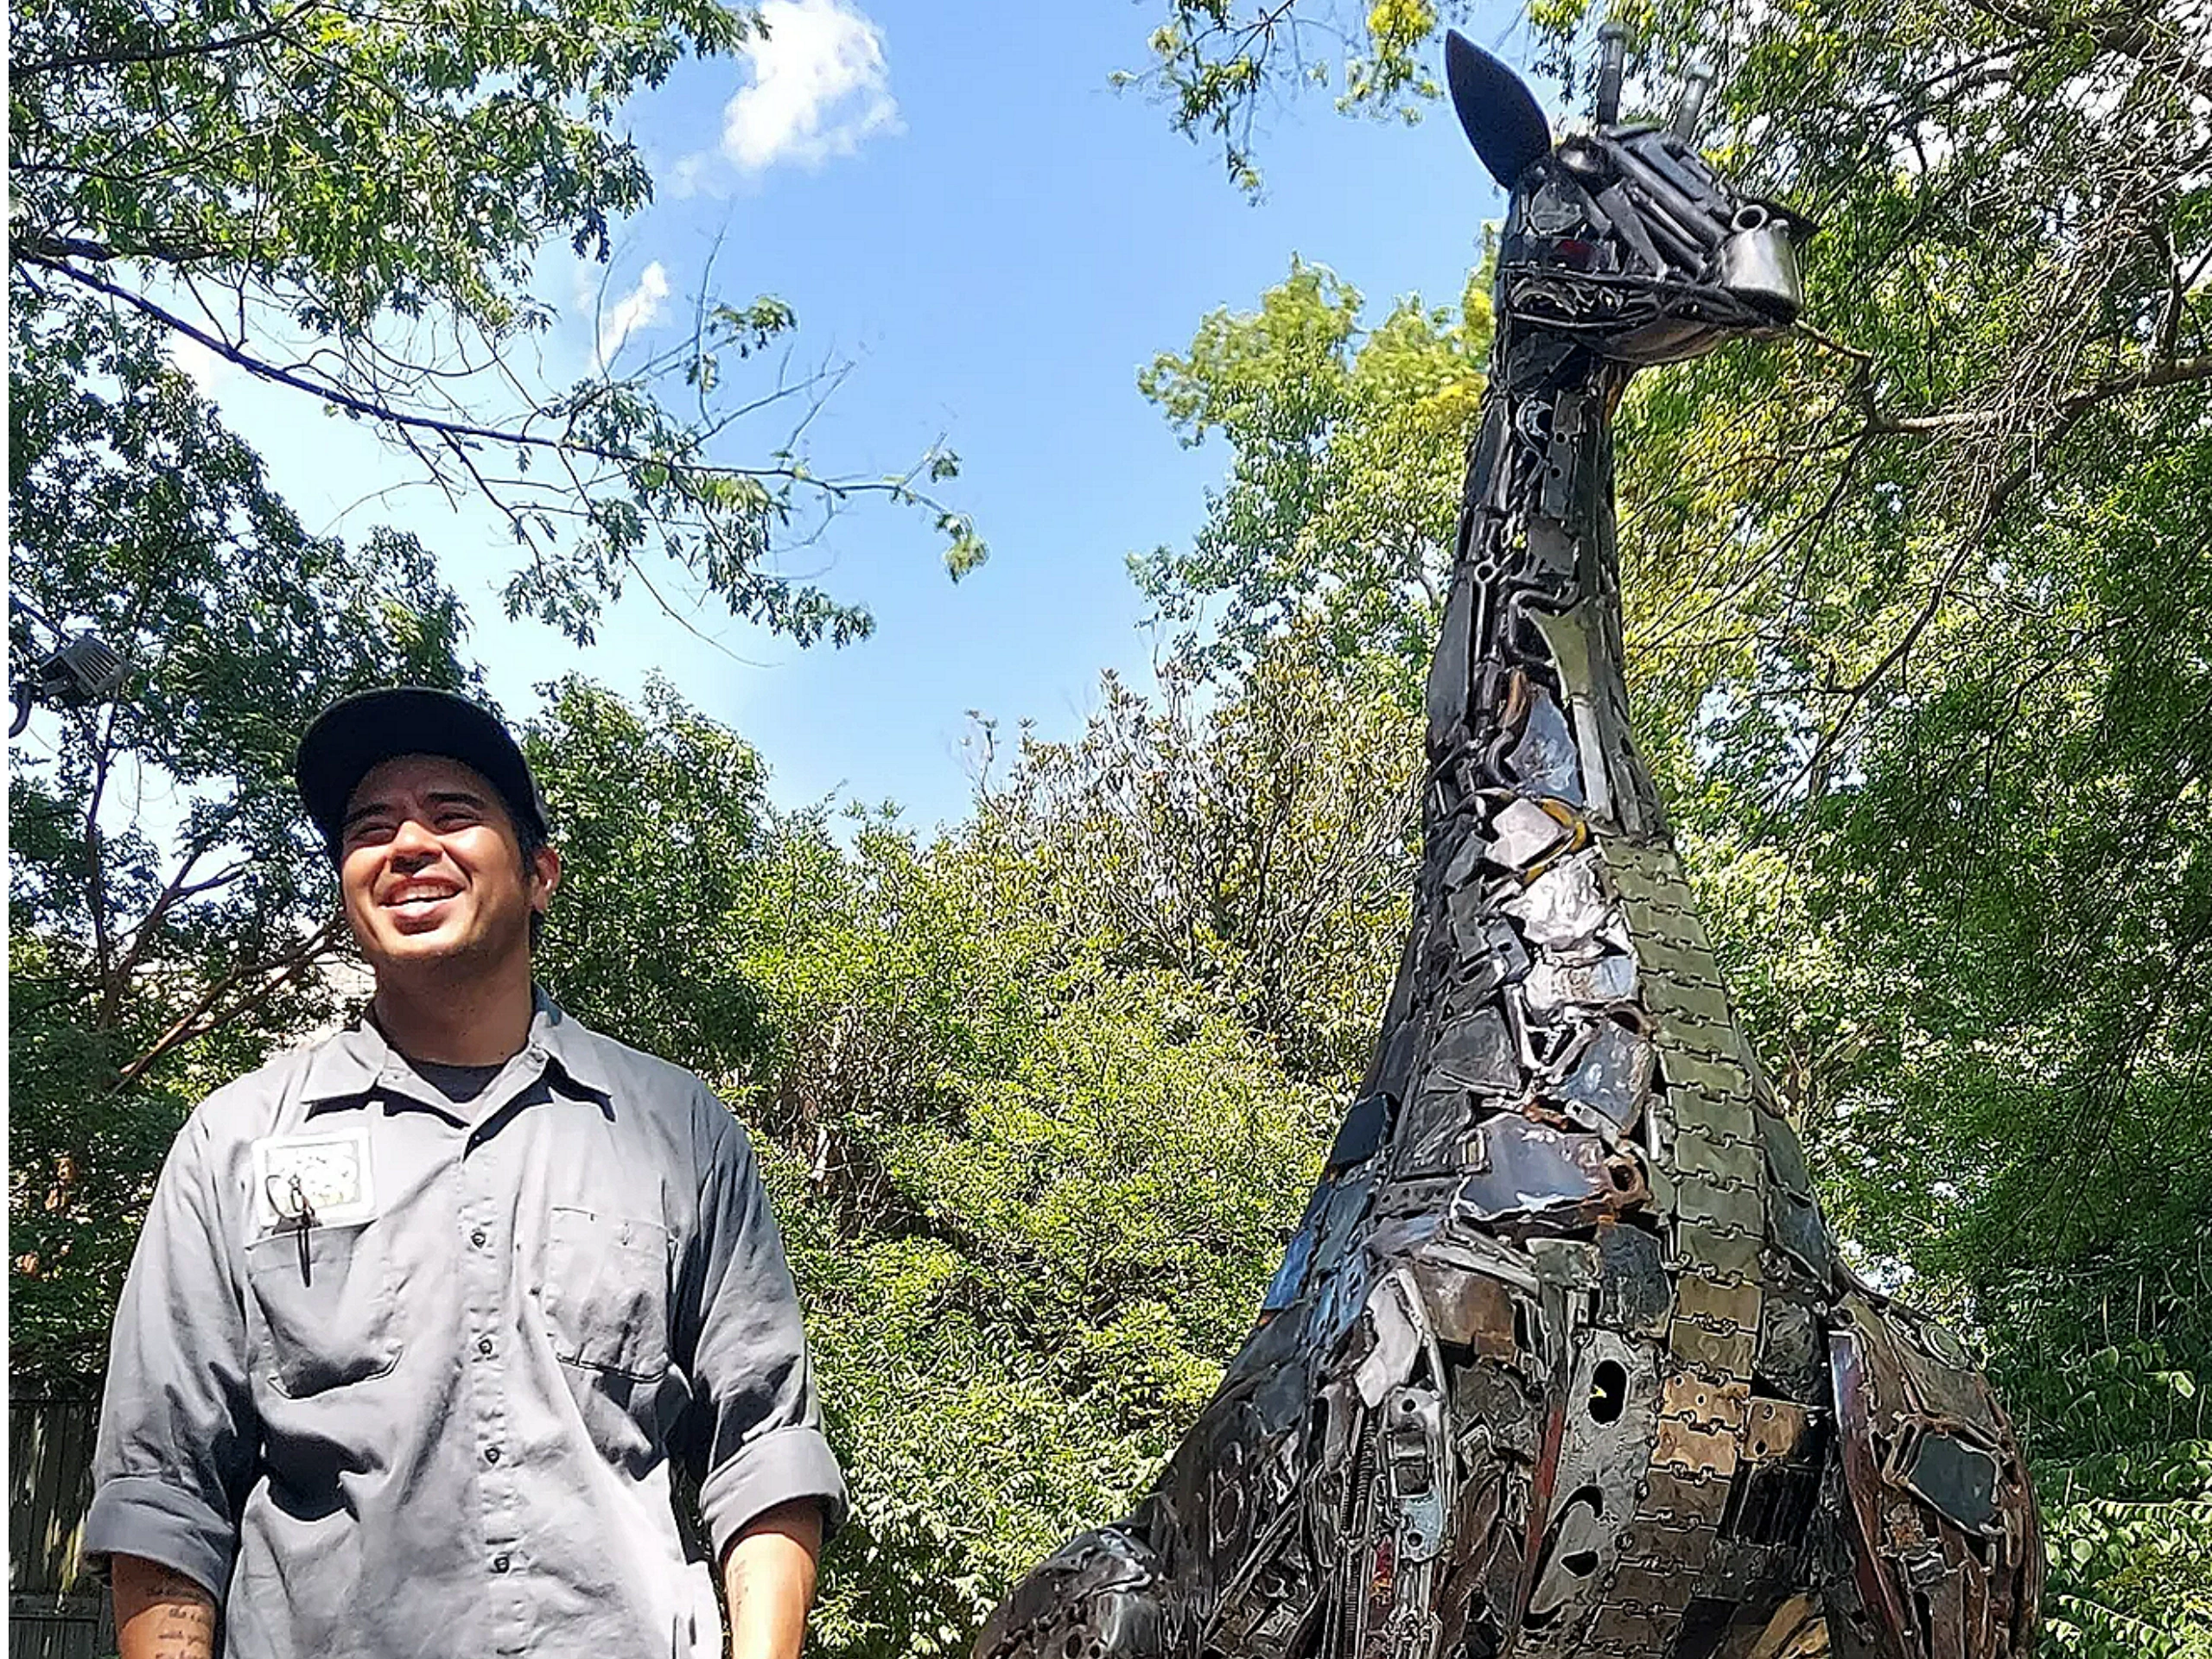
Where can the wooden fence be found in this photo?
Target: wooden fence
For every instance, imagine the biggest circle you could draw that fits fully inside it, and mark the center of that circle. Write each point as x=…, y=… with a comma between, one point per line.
x=55, y=1610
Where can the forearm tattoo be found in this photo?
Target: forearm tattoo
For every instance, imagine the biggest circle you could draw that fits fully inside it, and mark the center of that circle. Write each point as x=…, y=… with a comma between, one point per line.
x=178, y=1616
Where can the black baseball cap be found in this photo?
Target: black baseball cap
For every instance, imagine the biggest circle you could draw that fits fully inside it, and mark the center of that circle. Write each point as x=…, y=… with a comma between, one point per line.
x=358, y=733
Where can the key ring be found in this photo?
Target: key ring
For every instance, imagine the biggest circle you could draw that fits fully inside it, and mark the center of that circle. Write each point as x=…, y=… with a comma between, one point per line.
x=299, y=1213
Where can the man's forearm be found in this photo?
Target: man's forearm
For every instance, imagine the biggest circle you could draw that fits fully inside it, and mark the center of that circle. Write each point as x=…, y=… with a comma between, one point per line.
x=159, y=1613
x=768, y=1581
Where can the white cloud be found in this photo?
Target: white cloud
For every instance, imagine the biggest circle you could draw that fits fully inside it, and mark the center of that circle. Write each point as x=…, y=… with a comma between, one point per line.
x=821, y=86
x=207, y=369
x=688, y=176
x=639, y=308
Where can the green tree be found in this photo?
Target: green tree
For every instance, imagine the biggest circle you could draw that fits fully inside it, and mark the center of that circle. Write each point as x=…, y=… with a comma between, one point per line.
x=346, y=200
x=1258, y=842
x=1348, y=446
x=1045, y=1098
x=171, y=916
x=1031, y=1203
x=659, y=816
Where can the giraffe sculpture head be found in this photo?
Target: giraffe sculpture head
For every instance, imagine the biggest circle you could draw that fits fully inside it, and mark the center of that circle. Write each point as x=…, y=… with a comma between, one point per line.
x=1622, y=238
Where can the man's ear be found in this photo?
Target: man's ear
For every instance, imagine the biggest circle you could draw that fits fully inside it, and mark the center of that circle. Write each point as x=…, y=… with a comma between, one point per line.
x=1502, y=118
x=544, y=876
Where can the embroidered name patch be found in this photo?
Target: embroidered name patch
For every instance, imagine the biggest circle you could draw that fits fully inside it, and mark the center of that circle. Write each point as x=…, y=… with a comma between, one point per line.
x=326, y=1172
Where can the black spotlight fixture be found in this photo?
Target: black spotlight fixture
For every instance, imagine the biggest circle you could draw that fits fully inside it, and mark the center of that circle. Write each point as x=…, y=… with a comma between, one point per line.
x=81, y=671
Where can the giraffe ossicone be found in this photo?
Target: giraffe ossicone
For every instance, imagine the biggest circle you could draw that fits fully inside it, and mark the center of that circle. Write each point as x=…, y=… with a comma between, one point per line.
x=1562, y=1360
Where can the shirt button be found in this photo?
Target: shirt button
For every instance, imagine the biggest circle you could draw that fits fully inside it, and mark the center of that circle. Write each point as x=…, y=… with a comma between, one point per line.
x=491, y=1454
x=499, y=1563
x=484, y=1346
x=480, y=1238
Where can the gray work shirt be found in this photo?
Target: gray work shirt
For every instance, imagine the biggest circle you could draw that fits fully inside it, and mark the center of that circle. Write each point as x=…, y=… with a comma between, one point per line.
x=439, y=1419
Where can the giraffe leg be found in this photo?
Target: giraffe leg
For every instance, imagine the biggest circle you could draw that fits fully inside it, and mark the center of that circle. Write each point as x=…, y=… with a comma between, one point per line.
x=1937, y=1522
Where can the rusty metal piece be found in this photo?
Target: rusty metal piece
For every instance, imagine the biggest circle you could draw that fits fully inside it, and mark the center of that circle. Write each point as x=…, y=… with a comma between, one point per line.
x=1723, y=1163
x=1676, y=1504
x=1689, y=1450
x=1478, y=1051
x=1564, y=903
x=1674, y=1545
x=1432, y=1136
x=1716, y=1079
x=1730, y=1208
x=1791, y=1356
x=1646, y=1587
x=1680, y=1000
x=1725, y=1353
x=1774, y=1429
x=1719, y=1251
x=1957, y=1478
x=1721, y=1117
x=1938, y=1377
x=1525, y=1169
x=1502, y=1404
x=1556, y=981
x=1466, y=1309
x=1703, y=1403
x=1629, y=1629
x=1613, y=1075
x=1634, y=1294
x=1509, y=1264
x=1545, y=762
x=1525, y=830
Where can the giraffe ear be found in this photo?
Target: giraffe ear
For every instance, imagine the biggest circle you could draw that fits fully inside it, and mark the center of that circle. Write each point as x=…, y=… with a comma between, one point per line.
x=1502, y=119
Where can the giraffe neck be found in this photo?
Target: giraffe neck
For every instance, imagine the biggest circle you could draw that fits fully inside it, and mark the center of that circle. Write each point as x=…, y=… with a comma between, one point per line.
x=1529, y=740
x=1526, y=694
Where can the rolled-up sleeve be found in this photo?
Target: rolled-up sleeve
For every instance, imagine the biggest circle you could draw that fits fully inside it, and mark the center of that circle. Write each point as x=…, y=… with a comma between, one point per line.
x=177, y=1433
x=757, y=1425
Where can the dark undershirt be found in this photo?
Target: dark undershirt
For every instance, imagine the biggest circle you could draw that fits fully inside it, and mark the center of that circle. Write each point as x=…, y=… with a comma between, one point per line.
x=458, y=1084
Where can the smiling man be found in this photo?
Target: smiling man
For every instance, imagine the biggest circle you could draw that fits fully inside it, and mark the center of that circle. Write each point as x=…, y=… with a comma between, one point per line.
x=424, y=1313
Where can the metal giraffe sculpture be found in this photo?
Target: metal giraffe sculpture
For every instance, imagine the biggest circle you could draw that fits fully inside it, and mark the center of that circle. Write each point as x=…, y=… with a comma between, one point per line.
x=1561, y=1361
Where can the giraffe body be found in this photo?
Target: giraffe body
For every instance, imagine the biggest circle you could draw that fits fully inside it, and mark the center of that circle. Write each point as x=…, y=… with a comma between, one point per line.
x=1562, y=1360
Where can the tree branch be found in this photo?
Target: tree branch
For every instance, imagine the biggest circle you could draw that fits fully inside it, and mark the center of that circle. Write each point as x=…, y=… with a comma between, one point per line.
x=175, y=893
x=2070, y=411
x=2072, y=406
x=193, y=1023
x=96, y=873
x=120, y=55
x=447, y=431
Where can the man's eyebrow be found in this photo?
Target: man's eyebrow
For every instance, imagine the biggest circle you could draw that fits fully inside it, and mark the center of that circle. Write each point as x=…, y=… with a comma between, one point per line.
x=456, y=798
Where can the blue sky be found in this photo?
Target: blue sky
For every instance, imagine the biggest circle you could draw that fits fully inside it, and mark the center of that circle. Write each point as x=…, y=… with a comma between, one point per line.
x=955, y=200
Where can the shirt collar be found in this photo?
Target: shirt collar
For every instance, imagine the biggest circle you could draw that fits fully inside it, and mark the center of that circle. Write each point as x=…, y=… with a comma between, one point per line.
x=356, y=1060
x=566, y=1043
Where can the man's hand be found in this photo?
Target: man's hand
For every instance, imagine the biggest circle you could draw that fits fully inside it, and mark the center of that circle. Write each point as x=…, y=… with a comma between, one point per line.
x=768, y=1580
x=161, y=1614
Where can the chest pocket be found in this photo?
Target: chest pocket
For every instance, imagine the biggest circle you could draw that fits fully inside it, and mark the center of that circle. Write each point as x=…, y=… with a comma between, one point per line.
x=325, y=1317
x=606, y=1292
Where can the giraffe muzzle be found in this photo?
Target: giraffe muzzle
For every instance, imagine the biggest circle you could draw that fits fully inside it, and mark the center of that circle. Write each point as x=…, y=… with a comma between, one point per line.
x=1758, y=264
